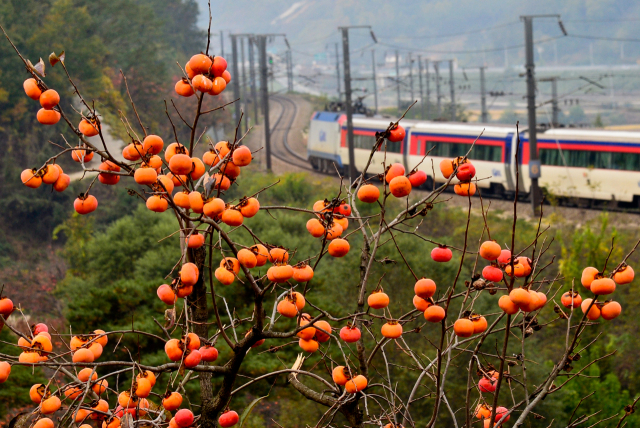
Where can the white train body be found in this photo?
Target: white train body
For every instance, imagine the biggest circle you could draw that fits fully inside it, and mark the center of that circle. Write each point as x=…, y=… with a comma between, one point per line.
x=583, y=164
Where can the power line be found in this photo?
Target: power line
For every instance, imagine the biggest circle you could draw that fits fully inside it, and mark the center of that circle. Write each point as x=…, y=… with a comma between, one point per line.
x=319, y=39
x=352, y=52
x=302, y=52
x=613, y=39
x=603, y=20
x=442, y=36
x=549, y=39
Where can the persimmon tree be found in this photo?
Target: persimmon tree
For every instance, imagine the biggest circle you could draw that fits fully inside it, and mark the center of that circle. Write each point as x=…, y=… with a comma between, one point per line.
x=353, y=383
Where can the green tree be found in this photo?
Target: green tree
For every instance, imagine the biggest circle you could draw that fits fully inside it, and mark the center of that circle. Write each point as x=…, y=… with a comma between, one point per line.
x=13, y=394
x=141, y=37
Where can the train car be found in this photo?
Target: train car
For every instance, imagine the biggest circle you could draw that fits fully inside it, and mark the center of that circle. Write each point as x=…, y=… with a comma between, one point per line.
x=587, y=164
x=327, y=143
x=323, y=142
x=576, y=164
x=490, y=154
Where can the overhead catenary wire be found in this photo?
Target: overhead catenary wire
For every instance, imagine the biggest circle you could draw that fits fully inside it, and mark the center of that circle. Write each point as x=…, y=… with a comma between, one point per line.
x=437, y=51
x=603, y=20
x=473, y=51
x=401, y=80
x=462, y=33
x=388, y=42
x=611, y=39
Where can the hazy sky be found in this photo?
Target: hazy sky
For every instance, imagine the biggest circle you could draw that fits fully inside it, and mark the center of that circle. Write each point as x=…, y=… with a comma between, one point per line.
x=471, y=31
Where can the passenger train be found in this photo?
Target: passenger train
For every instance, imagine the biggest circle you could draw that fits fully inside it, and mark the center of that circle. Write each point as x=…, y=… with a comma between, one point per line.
x=583, y=166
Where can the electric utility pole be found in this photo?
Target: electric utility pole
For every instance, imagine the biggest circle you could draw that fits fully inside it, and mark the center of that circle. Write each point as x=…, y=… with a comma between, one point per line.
x=411, y=78
x=554, y=103
x=375, y=82
x=398, y=81
x=252, y=76
x=483, y=97
x=264, y=88
x=347, y=90
x=534, y=161
x=436, y=67
x=289, y=72
x=236, y=77
x=243, y=86
x=426, y=67
x=338, y=73
x=452, y=89
x=221, y=44
x=554, y=99
x=420, y=85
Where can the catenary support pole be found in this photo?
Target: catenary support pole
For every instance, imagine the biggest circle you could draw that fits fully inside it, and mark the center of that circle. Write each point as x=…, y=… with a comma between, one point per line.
x=436, y=67
x=235, y=78
x=411, y=78
x=555, y=112
x=243, y=87
x=289, y=72
x=375, y=82
x=338, y=73
x=428, y=88
x=483, y=97
x=534, y=163
x=264, y=87
x=398, y=81
x=349, y=107
x=252, y=77
x=420, y=87
x=452, y=90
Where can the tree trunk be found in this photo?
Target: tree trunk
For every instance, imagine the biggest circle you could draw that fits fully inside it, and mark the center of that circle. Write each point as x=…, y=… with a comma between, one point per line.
x=353, y=414
x=199, y=313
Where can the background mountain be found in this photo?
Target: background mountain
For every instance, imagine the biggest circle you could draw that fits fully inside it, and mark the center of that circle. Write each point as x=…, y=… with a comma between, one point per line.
x=471, y=31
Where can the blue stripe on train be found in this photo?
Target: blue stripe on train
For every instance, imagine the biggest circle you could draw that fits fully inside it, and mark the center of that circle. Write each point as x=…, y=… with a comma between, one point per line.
x=325, y=116
x=366, y=129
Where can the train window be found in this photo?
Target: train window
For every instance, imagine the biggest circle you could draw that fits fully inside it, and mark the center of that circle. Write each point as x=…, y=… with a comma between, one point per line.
x=625, y=161
x=486, y=153
x=590, y=159
x=452, y=150
x=363, y=141
x=366, y=142
x=394, y=147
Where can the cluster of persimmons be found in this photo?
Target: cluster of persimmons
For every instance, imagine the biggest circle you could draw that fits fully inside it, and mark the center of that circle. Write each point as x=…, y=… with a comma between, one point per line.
x=205, y=75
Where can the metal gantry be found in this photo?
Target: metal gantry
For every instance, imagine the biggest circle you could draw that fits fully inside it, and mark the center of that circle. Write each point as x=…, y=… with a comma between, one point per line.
x=261, y=41
x=347, y=90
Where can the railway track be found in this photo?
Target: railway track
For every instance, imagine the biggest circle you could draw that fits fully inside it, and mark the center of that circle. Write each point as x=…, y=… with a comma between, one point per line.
x=280, y=147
